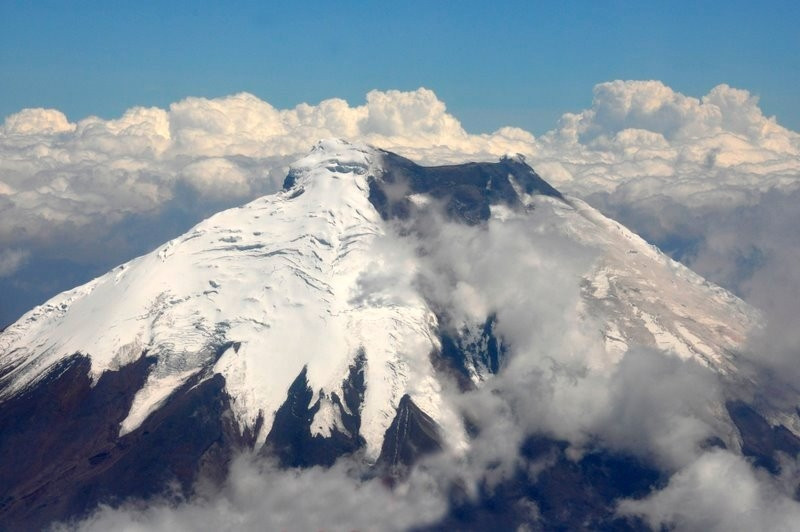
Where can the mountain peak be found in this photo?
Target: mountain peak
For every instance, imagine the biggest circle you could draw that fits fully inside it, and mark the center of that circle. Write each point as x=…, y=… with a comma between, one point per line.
x=330, y=158
x=332, y=144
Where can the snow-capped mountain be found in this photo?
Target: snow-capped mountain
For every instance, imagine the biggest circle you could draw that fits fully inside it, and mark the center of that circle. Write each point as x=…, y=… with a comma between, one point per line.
x=254, y=294
x=307, y=317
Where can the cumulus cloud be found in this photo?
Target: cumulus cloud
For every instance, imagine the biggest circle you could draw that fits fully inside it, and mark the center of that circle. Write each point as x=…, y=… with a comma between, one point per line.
x=642, y=139
x=216, y=177
x=639, y=135
x=37, y=122
x=639, y=139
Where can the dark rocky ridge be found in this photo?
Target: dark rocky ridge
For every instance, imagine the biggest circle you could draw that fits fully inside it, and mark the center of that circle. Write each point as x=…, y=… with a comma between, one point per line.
x=412, y=434
x=60, y=462
x=465, y=191
x=761, y=441
x=462, y=352
x=290, y=439
x=60, y=454
x=549, y=491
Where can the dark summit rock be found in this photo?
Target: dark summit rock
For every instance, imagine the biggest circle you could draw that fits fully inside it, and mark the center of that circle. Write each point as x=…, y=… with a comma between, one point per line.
x=353, y=390
x=466, y=191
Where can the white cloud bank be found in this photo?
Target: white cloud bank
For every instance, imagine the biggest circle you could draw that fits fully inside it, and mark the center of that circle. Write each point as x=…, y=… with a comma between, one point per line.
x=643, y=139
x=639, y=138
x=97, y=192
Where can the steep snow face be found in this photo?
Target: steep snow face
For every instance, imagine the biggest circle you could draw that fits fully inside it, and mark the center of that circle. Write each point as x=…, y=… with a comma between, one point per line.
x=646, y=298
x=313, y=277
x=286, y=277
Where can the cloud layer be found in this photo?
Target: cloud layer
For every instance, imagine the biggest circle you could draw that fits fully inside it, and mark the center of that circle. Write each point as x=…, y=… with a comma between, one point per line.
x=639, y=139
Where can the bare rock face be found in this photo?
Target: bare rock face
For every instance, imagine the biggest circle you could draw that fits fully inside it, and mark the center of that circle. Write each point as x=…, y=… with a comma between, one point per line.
x=61, y=453
x=412, y=434
x=466, y=191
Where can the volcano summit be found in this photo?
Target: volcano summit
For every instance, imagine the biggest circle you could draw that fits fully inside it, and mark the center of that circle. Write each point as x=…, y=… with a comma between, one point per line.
x=350, y=315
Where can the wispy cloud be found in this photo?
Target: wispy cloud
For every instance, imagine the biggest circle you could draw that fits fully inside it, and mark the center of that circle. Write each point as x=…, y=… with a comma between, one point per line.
x=11, y=260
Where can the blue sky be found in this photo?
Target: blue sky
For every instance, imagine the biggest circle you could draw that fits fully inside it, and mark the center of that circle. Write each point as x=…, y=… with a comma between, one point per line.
x=494, y=64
